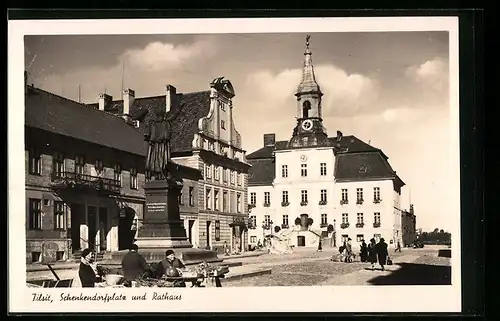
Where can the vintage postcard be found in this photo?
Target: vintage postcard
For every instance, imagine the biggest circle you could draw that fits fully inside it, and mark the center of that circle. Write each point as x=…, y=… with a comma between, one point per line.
x=234, y=165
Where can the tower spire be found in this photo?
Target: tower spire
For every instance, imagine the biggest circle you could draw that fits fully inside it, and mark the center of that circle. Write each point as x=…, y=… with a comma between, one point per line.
x=308, y=83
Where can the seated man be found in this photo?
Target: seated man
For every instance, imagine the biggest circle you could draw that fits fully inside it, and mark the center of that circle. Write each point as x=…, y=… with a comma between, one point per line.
x=134, y=265
x=171, y=266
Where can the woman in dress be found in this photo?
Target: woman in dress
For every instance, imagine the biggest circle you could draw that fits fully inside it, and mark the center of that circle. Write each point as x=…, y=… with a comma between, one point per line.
x=372, y=253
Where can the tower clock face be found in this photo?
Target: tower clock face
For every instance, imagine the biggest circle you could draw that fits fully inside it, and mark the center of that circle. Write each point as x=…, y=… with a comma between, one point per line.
x=307, y=124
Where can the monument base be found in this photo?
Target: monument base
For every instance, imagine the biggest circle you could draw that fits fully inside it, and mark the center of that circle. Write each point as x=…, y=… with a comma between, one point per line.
x=188, y=256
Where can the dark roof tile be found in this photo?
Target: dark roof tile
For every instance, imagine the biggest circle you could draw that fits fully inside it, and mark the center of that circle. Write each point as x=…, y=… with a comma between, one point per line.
x=262, y=172
x=362, y=166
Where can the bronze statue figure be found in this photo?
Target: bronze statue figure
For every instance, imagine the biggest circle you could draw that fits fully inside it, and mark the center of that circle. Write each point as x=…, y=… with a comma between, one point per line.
x=158, y=135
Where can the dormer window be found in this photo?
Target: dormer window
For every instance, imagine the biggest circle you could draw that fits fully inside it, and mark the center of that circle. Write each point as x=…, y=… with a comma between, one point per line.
x=306, y=106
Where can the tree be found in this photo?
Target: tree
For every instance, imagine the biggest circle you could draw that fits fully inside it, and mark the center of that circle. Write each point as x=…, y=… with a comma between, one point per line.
x=297, y=221
x=277, y=229
x=310, y=221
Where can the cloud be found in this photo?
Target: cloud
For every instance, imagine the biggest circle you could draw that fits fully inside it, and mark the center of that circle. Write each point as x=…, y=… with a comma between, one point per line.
x=160, y=56
x=432, y=76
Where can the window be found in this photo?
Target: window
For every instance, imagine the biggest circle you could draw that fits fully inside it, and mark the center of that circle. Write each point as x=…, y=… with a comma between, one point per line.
x=344, y=195
x=359, y=195
x=217, y=230
x=208, y=171
x=284, y=170
x=267, y=198
x=99, y=166
x=208, y=198
x=285, y=220
x=267, y=219
x=232, y=177
x=322, y=169
x=238, y=202
x=324, y=219
x=35, y=214
x=253, y=221
x=284, y=197
x=222, y=107
x=225, y=201
x=345, y=218
x=59, y=255
x=359, y=237
x=253, y=198
x=303, y=197
x=216, y=200
x=224, y=175
x=217, y=173
x=36, y=257
x=133, y=178
x=58, y=164
x=118, y=174
x=253, y=239
x=323, y=196
x=376, y=193
x=222, y=124
x=238, y=178
x=59, y=216
x=191, y=196
x=376, y=217
x=79, y=164
x=345, y=237
x=303, y=170
x=360, y=218
x=35, y=166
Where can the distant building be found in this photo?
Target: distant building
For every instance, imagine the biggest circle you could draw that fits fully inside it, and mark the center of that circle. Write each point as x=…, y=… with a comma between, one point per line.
x=409, y=222
x=205, y=138
x=84, y=179
x=339, y=181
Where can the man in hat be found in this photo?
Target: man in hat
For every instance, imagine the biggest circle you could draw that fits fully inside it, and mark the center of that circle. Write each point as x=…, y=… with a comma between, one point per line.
x=167, y=264
x=134, y=265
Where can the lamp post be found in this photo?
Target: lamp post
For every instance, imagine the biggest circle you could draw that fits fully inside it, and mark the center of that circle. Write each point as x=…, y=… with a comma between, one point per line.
x=334, y=235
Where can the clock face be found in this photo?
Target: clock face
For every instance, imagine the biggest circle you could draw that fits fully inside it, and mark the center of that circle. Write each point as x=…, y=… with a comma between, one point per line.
x=303, y=158
x=307, y=124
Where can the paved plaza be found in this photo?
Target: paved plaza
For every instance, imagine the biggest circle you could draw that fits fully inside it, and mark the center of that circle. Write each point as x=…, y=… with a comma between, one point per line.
x=308, y=267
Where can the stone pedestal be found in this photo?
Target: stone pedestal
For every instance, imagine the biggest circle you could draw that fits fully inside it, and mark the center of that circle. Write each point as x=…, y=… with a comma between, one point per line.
x=163, y=228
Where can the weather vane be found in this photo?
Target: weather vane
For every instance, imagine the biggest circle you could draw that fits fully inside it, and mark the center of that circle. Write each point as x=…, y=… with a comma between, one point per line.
x=307, y=40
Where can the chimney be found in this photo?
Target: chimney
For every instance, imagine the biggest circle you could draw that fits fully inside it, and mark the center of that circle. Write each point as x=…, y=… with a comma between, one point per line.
x=339, y=135
x=269, y=139
x=128, y=101
x=105, y=101
x=170, y=97
x=412, y=211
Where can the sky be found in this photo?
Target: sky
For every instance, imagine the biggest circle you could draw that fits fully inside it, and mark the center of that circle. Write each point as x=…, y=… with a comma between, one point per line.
x=390, y=89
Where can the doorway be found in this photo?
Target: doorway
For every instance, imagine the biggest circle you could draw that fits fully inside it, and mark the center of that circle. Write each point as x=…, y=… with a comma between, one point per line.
x=92, y=221
x=301, y=240
x=126, y=234
x=77, y=218
x=103, y=228
x=208, y=234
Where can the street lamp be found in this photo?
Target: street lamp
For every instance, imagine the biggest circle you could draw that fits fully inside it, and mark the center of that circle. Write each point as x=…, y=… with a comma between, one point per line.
x=334, y=235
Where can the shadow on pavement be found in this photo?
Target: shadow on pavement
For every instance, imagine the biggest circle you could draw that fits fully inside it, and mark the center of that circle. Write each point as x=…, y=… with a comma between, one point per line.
x=415, y=274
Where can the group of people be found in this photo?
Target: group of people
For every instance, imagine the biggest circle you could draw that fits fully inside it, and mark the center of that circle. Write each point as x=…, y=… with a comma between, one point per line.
x=372, y=253
x=134, y=267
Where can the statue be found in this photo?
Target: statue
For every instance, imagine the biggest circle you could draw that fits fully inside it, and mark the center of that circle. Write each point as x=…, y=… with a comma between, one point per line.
x=158, y=135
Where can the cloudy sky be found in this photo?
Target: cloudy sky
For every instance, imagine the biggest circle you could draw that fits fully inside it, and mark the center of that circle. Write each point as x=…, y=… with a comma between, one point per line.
x=389, y=89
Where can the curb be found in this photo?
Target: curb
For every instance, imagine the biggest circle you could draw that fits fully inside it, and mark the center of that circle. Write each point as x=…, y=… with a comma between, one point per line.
x=243, y=275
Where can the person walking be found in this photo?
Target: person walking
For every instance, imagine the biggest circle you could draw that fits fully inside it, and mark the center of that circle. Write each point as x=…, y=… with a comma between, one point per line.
x=134, y=266
x=372, y=253
x=382, y=253
x=398, y=247
x=363, y=253
x=349, y=250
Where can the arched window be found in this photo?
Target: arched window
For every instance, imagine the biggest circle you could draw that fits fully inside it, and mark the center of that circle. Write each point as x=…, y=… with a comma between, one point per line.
x=306, y=106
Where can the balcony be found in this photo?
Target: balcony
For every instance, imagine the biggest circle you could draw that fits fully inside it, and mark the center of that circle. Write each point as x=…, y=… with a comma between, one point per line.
x=267, y=204
x=376, y=224
x=377, y=200
x=285, y=204
x=344, y=202
x=70, y=180
x=323, y=202
x=250, y=206
x=359, y=201
x=238, y=221
x=344, y=225
x=303, y=203
x=284, y=226
x=323, y=225
x=360, y=225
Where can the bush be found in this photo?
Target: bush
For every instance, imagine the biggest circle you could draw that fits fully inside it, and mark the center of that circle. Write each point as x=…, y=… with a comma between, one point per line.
x=297, y=221
x=277, y=229
x=310, y=221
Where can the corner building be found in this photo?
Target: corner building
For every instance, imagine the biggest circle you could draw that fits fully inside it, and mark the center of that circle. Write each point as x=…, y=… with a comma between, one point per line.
x=339, y=181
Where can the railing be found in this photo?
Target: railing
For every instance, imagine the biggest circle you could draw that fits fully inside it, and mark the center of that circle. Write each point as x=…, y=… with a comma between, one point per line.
x=70, y=179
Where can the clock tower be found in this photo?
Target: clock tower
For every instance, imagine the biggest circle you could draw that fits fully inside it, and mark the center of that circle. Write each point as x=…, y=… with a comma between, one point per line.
x=309, y=131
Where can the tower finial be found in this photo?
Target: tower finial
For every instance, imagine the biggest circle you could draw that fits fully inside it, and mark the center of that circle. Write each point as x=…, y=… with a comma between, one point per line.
x=307, y=40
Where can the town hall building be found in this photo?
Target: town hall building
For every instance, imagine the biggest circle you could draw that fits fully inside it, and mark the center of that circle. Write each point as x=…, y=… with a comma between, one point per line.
x=314, y=186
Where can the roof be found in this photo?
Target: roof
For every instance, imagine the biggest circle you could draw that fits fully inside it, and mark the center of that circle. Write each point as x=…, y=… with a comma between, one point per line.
x=356, y=160
x=347, y=144
x=59, y=115
x=193, y=106
x=262, y=172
